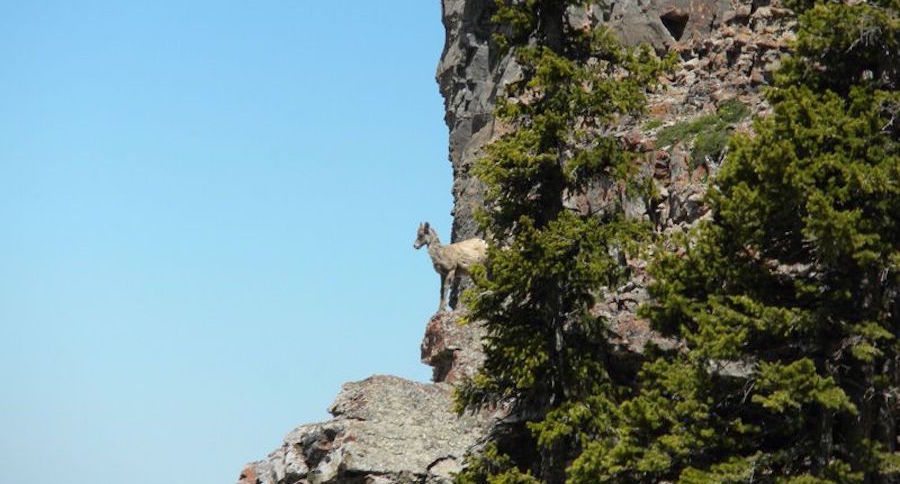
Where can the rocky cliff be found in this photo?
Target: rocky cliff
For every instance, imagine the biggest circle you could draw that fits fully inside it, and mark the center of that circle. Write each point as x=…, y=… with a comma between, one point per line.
x=389, y=430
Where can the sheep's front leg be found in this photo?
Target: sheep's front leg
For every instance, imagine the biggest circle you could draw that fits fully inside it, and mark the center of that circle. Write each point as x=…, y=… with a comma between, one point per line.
x=444, y=281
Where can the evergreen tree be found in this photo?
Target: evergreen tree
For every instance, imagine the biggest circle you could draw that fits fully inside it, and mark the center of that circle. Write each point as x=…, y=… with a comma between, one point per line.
x=546, y=355
x=788, y=301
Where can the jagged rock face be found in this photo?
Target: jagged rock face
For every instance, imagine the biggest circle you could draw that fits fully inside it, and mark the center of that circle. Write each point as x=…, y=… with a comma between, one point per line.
x=468, y=80
x=385, y=430
x=470, y=75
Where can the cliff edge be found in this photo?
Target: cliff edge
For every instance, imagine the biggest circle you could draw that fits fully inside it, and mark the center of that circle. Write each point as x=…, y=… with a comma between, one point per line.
x=389, y=430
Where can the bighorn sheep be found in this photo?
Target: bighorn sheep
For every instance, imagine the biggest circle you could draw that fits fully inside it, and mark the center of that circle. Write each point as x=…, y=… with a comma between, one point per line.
x=449, y=260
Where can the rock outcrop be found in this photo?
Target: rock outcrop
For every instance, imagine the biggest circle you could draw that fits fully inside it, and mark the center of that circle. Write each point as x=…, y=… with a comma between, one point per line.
x=452, y=347
x=385, y=429
x=389, y=430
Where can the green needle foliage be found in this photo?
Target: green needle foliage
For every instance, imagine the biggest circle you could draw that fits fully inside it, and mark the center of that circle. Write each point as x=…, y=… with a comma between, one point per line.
x=546, y=354
x=788, y=301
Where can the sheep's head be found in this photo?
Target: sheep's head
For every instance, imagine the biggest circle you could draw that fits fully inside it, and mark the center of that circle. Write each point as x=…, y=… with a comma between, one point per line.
x=423, y=235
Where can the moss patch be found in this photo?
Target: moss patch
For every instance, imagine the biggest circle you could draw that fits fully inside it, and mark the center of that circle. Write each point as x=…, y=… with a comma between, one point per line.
x=710, y=133
x=653, y=124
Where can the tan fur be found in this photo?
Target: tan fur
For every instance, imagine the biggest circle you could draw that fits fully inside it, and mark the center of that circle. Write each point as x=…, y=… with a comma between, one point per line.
x=451, y=260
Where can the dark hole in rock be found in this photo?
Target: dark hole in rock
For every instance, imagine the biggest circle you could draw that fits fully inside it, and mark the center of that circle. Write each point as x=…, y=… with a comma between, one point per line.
x=675, y=21
x=479, y=121
x=759, y=3
x=441, y=365
x=315, y=447
x=732, y=55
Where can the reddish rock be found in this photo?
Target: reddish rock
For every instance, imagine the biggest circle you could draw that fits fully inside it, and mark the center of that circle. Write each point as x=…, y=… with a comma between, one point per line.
x=452, y=346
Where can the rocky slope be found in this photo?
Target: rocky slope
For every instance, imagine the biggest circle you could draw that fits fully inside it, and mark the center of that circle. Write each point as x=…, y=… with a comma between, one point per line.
x=389, y=430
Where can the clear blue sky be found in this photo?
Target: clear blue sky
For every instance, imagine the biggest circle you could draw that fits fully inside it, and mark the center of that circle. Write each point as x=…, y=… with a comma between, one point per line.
x=207, y=212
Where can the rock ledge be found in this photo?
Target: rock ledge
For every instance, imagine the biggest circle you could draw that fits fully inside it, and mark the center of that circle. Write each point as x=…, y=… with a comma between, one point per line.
x=385, y=430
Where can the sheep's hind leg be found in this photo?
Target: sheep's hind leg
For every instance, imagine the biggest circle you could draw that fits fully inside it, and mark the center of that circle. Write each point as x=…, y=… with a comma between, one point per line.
x=445, y=293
